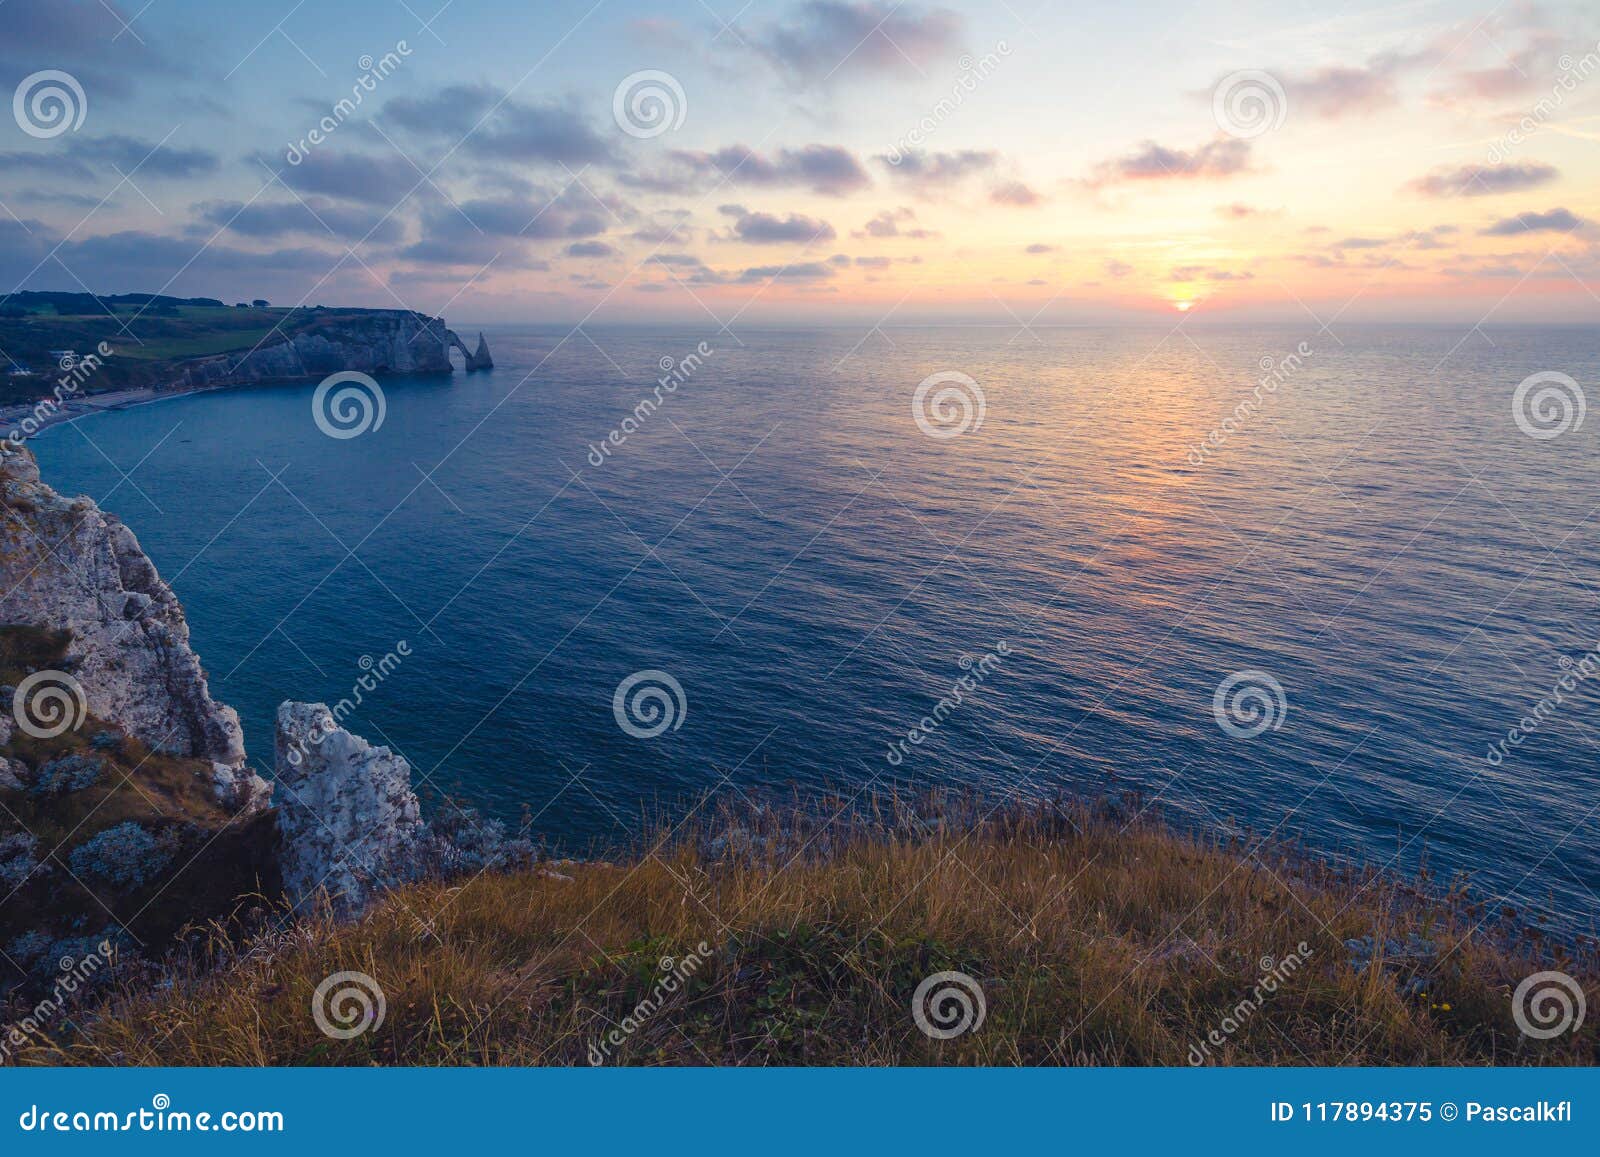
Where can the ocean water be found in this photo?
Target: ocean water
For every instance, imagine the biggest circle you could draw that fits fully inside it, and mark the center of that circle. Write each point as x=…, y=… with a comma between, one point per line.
x=1377, y=536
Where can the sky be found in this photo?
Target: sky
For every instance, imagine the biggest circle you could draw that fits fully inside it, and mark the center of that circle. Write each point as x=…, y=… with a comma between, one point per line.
x=811, y=161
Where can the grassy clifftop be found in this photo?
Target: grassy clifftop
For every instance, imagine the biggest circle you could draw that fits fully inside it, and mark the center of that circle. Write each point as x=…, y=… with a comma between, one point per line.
x=100, y=836
x=1091, y=937
x=148, y=335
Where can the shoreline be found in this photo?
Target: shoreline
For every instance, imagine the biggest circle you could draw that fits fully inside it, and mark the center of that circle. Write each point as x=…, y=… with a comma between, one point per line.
x=111, y=401
x=45, y=412
x=324, y=342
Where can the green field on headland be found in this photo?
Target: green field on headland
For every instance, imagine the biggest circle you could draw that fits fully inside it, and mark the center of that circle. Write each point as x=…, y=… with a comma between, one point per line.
x=147, y=334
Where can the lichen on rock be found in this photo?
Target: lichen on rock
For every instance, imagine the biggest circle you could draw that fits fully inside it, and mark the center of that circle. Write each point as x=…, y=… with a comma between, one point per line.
x=349, y=823
x=68, y=566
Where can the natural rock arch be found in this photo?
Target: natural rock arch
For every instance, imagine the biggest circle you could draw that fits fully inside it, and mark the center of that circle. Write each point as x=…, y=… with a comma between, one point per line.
x=481, y=360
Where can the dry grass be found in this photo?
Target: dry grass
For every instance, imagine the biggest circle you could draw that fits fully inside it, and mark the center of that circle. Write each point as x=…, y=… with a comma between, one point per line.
x=1095, y=940
x=220, y=855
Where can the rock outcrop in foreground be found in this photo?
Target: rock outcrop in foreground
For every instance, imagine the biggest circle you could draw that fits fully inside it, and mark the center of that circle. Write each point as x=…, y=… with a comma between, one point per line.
x=66, y=565
x=127, y=810
x=348, y=822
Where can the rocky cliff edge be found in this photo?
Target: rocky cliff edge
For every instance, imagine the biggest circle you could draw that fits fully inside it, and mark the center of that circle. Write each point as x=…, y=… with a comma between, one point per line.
x=66, y=565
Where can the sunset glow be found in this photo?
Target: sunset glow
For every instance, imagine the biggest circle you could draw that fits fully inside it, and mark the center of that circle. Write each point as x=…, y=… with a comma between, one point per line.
x=827, y=160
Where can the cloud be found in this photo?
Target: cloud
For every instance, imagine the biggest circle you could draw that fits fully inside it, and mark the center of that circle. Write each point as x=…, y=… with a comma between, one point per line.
x=800, y=271
x=351, y=177
x=24, y=247
x=925, y=171
x=663, y=233
x=1493, y=84
x=83, y=38
x=473, y=231
x=473, y=251
x=50, y=163
x=81, y=158
x=1014, y=193
x=1338, y=91
x=590, y=249
x=1526, y=67
x=487, y=123
x=1223, y=157
x=127, y=153
x=1555, y=221
x=1412, y=239
x=133, y=261
x=1484, y=180
x=766, y=229
x=887, y=224
x=1239, y=211
x=677, y=260
x=314, y=217
x=1118, y=268
x=829, y=40
x=1206, y=273
x=1040, y=247
x=826, y=169
x=58, y=197
x=1426, y=238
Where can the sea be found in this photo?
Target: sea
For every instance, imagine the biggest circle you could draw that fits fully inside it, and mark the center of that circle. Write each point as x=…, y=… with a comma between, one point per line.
x=1334, y=585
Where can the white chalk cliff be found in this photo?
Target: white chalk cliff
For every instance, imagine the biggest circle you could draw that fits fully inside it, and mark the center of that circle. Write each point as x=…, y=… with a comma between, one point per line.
x=67, y=565
x=348, y=822
x=374, y=342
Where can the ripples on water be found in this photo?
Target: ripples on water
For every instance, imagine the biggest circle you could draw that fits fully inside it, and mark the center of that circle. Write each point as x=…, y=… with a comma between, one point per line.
x=781, y=537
